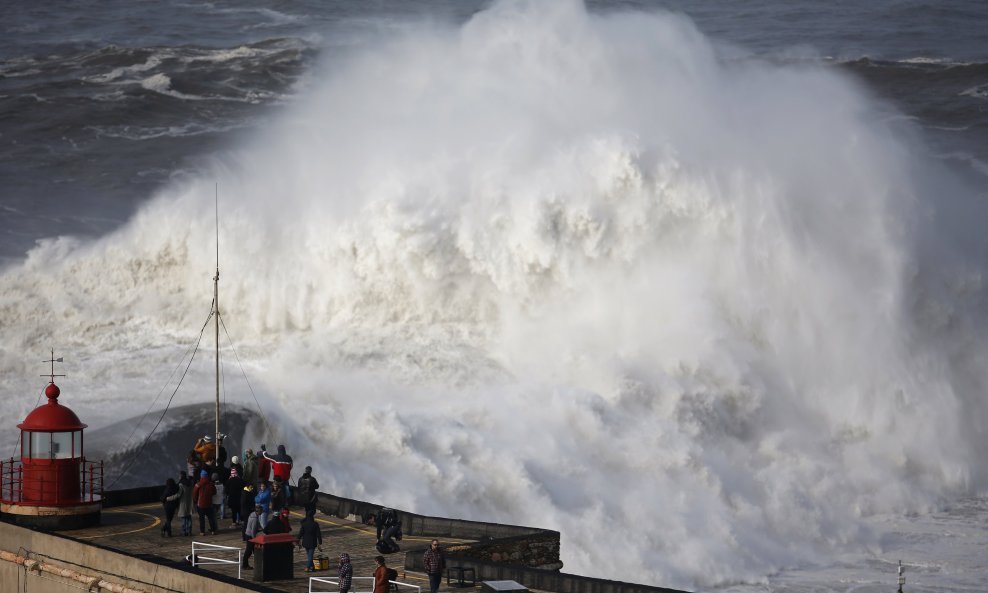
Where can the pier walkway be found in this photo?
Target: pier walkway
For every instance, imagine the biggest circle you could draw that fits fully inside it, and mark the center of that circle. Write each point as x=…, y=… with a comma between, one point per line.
x=136, y=530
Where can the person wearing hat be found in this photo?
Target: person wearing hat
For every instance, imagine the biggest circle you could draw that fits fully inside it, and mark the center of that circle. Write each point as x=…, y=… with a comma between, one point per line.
x=251, y=529
x=206, y=449
x=202, y=495
x=236, y=465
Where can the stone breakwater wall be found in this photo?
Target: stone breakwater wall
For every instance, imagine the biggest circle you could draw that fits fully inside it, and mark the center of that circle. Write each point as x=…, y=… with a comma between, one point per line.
x=424, y=525
x=527, y=555
x=537, y=550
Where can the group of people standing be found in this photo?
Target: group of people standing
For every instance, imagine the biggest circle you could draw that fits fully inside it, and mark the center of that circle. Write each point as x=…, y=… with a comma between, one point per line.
x=268, y=502
x=255, y=488
x=209, y=487
x=257, y=491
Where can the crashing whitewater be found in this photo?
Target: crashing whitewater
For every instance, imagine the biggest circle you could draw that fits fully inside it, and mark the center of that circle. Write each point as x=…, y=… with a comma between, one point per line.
x=699, y=312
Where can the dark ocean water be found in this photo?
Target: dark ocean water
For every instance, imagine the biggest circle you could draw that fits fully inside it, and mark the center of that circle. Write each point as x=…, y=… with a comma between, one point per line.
x=103, y=102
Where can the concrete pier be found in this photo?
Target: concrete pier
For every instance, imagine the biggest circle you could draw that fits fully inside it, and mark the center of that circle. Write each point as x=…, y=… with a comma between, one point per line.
x=127, y=554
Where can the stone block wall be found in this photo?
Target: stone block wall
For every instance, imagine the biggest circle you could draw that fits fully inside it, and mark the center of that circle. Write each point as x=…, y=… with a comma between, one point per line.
x=538, y=550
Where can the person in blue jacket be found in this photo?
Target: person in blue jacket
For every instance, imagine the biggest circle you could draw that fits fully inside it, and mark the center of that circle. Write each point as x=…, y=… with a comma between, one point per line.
x=263, y=500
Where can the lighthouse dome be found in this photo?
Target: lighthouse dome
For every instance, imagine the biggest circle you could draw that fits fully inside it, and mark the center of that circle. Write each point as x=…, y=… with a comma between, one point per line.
x=52, y=416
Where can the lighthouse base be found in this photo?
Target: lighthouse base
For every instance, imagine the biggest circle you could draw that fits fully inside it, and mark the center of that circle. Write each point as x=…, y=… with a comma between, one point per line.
x=50, y=517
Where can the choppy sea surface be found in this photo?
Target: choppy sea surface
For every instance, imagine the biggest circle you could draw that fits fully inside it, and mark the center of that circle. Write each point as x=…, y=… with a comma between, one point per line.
x=699, y=284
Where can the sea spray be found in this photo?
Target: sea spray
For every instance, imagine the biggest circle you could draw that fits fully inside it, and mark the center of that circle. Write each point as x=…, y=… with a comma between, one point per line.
x=581, y=272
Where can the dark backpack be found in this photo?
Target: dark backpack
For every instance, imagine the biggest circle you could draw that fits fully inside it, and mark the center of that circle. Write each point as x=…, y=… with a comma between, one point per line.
x=392, y=574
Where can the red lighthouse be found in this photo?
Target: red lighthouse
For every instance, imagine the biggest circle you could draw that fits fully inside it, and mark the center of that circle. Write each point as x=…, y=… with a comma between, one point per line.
x=52, y=486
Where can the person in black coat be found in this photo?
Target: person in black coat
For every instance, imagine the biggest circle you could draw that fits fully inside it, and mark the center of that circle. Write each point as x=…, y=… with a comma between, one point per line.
x=247, y=495
x=388, y=530
x=306, y=491
x=234, y=490
x=309, y=538
x=170, y=500
x=280, y=524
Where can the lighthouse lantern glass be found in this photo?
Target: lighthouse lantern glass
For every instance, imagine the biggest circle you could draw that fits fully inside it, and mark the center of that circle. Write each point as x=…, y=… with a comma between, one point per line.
x=61, y=445
x=40, y=445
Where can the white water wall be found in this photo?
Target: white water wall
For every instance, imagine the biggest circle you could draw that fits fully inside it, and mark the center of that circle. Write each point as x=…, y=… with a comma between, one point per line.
x=699, y=313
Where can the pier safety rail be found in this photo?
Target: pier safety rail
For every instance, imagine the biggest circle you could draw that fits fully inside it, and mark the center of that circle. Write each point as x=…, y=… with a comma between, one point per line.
x=197, y=560
x=335, y=583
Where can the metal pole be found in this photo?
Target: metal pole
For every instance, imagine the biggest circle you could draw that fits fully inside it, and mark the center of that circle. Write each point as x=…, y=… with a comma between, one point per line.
x=216, y=296
x=216, y=304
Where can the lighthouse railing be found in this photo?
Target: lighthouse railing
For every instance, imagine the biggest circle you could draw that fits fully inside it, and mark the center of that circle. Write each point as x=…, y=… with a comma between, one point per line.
x=11, y=479
x=92, y=480
x=47, y=488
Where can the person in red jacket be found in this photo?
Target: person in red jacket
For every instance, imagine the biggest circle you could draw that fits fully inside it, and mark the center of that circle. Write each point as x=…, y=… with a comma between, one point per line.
x=263, y=466
x=281, y=465
x=202, y=495
x=382, y=575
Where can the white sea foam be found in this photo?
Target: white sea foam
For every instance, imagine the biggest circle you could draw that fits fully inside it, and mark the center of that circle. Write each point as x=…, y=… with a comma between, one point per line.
x=159, y=83
x=162, y=84
x=704, y=317
x=929, y=60
x=273, y=18
x=118, y=73
x=225, y=55
x=149, y=133
x=980, y=91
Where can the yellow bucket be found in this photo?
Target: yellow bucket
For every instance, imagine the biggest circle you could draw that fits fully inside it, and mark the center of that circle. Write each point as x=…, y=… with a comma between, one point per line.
x=321, y=562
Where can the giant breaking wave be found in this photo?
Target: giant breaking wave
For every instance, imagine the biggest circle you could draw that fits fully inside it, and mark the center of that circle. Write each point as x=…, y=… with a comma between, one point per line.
x=699, y=312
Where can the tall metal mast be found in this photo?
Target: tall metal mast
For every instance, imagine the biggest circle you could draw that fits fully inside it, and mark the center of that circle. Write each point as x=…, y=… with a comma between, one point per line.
x=216, y=320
